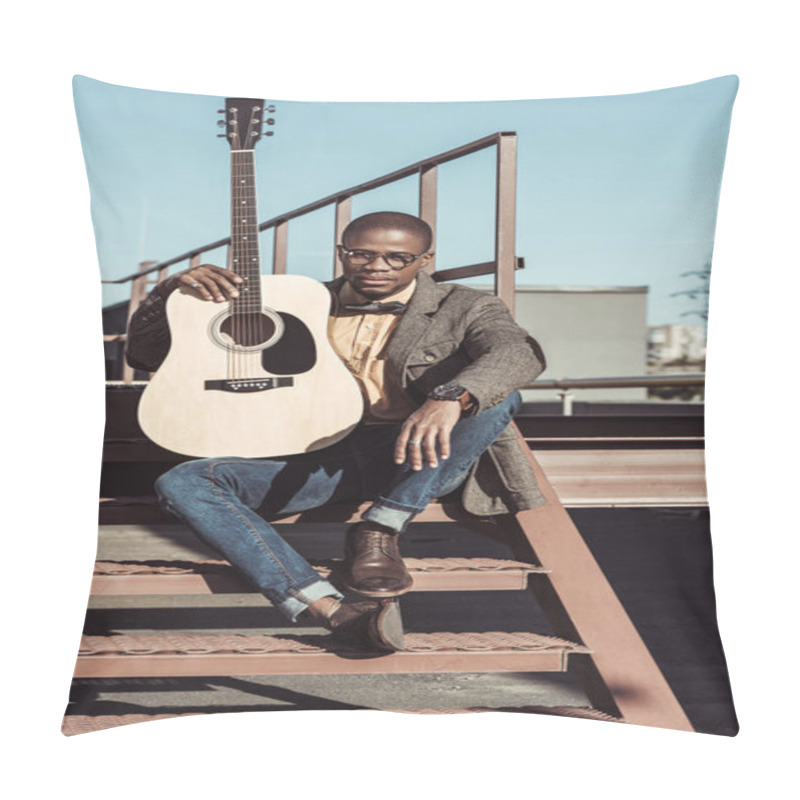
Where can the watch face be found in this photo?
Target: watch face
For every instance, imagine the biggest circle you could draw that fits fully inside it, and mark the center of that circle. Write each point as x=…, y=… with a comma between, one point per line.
x=450, y=391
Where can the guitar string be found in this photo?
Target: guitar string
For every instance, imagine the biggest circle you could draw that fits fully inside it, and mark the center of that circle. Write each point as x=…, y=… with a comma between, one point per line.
x=236, y=254
x=247, y=329
x=230, y=354
x=234, y=333
x=246, y=320
x=235, y=247
x=250, y=316
x=255, y=260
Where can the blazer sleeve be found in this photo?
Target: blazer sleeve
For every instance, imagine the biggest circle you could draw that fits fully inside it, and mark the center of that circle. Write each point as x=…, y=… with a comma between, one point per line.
x=148, y=339
x=504, y=356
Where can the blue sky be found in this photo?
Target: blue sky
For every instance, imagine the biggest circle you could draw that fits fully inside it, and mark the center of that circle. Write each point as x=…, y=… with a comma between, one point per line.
x=619, y=190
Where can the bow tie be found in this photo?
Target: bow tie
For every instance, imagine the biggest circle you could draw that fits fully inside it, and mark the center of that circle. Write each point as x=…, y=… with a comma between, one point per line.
x=393, y=307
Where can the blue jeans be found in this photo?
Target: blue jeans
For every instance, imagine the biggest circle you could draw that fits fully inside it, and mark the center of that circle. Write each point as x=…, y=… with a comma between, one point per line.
x=226, y=501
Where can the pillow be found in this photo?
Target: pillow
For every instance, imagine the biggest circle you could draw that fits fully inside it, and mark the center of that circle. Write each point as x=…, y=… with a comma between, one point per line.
x=404, y=407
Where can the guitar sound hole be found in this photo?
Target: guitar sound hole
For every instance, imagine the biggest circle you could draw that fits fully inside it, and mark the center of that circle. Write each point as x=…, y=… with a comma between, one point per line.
x=248, y=330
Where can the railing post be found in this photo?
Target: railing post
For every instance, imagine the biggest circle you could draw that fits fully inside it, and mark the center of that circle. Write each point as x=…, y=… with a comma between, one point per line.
x=138, y=293
x=280, y=247
x=343, y=211
x=428, y=176
x=505, y=221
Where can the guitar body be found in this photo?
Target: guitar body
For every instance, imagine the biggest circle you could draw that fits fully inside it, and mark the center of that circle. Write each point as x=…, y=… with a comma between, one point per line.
x=255, y=376
x=266, y=384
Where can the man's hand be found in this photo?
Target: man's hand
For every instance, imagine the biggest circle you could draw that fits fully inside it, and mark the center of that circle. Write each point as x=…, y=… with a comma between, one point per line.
x=430, y=423
x=212, y=283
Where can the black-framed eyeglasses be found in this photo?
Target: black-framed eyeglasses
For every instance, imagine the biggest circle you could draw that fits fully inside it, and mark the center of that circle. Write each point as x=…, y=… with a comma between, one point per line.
x=360, y=258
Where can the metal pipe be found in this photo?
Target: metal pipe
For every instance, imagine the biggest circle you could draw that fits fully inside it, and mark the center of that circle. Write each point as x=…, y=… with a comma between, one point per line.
x=674, y=379
x=428, y=177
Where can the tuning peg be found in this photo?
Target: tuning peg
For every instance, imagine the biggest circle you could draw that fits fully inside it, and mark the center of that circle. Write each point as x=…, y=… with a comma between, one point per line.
x=269, y=133
x=269, y=121
x=270, y=109
x=221, y=123
x=220, y=111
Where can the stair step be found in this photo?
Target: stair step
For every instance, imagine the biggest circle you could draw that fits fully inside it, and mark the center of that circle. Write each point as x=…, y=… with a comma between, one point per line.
x=75, y=724
x=145, y=510
x=219, y=577
x=126, y=656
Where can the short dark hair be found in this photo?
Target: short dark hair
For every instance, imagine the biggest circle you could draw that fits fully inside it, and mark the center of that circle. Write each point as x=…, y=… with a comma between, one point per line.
x=391, y=220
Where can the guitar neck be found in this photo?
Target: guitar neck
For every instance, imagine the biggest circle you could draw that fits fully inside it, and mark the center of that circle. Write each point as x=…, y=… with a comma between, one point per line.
x=245, y=255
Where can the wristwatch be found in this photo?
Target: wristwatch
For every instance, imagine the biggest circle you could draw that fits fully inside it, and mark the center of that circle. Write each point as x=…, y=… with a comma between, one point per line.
x=452, y=391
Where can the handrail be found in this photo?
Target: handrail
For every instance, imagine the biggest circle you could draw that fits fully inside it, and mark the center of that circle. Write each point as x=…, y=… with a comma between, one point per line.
x=565, y=384
x=376, y=183
x=674, y=379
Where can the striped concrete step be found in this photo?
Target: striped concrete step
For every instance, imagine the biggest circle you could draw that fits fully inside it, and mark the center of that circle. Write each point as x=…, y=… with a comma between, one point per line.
x=241, y=654
x=218, y=577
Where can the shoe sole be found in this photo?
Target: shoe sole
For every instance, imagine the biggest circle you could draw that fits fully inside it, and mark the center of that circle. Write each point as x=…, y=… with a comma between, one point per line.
x=387, y=628
x=367, y=593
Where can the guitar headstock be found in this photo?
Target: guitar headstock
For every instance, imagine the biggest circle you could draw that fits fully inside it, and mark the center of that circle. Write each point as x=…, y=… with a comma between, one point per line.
x=245, y=121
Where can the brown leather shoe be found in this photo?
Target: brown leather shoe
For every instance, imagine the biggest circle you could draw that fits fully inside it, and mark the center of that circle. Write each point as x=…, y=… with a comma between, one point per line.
x=373, y=566
x=369, y=624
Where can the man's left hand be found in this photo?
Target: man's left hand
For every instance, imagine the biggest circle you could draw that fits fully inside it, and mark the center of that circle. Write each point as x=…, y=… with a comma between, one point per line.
x=429, y=424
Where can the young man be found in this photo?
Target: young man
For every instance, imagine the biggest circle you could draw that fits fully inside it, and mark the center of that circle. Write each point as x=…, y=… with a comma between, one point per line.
x=439, y=367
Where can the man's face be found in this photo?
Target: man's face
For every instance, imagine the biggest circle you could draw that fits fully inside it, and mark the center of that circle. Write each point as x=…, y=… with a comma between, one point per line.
x=377, y=279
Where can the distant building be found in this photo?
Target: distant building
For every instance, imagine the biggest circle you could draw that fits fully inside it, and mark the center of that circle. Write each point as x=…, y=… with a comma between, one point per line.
x=675, y=346
x=586, y=332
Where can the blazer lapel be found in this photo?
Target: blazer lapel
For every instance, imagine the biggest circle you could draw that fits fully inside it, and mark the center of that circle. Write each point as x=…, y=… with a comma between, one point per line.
x=414, y=324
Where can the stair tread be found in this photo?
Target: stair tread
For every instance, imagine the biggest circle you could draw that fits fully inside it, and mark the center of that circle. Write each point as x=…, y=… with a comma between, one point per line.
x=145, y=508
x=214, y=566
x=152, y=500
x=188, y=644
x=207, y=577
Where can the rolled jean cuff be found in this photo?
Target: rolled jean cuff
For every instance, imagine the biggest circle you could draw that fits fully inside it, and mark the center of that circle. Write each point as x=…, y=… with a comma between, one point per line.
x=392, y=515
x=293, y=606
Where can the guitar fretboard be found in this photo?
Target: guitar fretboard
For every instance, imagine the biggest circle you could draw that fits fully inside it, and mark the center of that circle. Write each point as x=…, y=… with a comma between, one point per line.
x=245, y=256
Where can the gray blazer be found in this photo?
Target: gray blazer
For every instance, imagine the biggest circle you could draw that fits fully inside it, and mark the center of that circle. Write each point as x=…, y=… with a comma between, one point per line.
x=448, y=332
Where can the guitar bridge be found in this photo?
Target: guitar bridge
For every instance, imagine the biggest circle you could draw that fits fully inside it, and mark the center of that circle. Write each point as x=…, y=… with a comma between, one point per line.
x=244, y=385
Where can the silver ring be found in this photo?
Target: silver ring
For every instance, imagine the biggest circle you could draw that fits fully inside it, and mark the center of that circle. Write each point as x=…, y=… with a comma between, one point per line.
x=415, y=441
x=194, y=285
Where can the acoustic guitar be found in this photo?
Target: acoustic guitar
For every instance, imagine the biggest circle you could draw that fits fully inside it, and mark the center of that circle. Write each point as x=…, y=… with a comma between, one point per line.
x=256, y=376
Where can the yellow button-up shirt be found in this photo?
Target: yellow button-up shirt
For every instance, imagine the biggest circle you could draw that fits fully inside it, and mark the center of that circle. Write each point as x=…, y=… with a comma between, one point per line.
x=360, y=340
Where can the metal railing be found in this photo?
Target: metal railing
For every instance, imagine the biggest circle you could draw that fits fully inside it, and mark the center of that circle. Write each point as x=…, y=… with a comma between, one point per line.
x=503, y=266
x=564, y=385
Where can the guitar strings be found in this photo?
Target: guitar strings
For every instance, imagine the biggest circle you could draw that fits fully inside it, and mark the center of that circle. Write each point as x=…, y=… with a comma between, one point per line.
x=245, y=322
